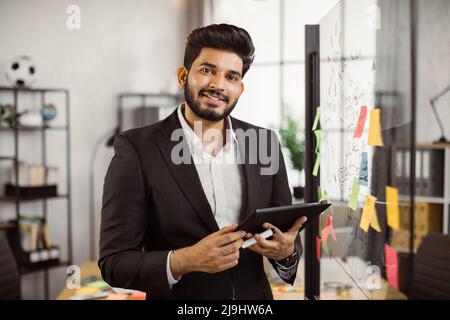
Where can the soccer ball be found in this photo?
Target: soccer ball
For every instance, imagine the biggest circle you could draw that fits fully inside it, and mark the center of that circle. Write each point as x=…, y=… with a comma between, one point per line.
x=21, y=72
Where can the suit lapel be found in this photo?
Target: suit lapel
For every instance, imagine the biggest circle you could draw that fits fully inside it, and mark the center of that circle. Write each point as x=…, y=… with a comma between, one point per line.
x=185, y=175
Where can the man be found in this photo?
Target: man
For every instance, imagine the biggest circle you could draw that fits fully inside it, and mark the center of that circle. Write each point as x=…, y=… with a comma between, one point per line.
x=171, y=207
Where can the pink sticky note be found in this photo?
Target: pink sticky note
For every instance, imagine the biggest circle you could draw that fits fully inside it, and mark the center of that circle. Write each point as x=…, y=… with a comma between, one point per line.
x=328, y=228
x=361, y=121
x=333, y=235
x=318, y=248
x=391, y=265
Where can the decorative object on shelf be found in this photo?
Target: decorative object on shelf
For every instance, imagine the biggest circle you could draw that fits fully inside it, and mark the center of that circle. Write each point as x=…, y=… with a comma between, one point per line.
x=48, y=111
x=433, y=101
x=291, y=139
x=34, y=175
x=21, y=72
x=29, y=119
x=6, y=114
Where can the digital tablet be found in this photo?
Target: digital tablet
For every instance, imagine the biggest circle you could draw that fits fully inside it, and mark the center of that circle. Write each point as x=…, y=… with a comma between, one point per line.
x=282, y=217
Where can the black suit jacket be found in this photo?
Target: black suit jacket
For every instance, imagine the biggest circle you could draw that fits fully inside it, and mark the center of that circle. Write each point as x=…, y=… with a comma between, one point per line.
x=152, y=206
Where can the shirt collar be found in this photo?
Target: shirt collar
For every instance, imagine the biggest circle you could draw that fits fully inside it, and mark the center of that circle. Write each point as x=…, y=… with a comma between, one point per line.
x=194, y=141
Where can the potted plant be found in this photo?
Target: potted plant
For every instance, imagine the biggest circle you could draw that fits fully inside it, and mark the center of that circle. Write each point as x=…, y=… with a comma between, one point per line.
x=291, y=139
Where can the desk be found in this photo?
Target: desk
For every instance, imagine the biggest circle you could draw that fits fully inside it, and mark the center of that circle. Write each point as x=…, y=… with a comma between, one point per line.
x=386, y=292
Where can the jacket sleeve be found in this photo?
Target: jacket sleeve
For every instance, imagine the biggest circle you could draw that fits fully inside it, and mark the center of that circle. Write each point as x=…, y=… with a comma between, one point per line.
x=123, y=262
x=281, y=195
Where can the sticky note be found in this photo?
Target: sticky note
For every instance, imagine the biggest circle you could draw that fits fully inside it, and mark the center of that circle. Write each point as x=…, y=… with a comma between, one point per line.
x=361, y=121
x=374, y=221
x=363, y=171
x=318, y=248
x=375, y=138
x=317, y=133
x=392, y=209
x=353, y=200
x=325, y=246
x=316, y=165
x=115, y=296
x=316, y=119
x=367, y=213
x=391, y=259
x=328, y=229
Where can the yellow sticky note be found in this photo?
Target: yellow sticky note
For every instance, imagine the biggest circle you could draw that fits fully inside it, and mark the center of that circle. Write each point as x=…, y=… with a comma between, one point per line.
x=375, y=138
x=316, y=165
x=374, y=221
x=316, y=119
x=353, y=200
x=392, y=210
x=368, y=212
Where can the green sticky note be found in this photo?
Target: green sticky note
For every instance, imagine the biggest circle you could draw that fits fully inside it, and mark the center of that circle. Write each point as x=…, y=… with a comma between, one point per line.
x=324, y=196
x=319, y=193
x=316, y=165
x=353, y=200
x=318, y=134
x=325, y=245
x=316, y=119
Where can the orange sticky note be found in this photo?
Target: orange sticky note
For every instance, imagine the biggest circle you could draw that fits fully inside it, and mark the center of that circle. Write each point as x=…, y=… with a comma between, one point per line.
x=391, y=265
x=375, y=138
x=367, y=213
x=392, y=210
x=361, y=121
x=117, y=297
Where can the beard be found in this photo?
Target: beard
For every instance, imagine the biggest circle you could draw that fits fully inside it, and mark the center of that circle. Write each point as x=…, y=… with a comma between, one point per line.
x=207, y=113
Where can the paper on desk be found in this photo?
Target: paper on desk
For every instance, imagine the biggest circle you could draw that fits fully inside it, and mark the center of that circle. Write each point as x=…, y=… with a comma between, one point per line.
x=86, y=290
x=353, y=200
x=368, y=211
x=375, y=138
x=115, y=296
x=392, y=210
x=391, y=259
x=361, y=121
x=99, y=284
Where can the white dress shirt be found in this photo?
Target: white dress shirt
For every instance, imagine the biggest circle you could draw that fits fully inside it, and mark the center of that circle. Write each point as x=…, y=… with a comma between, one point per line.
x=221, y=177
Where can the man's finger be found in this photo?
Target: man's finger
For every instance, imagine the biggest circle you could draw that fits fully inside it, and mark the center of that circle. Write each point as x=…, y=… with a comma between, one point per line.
x=297, y=224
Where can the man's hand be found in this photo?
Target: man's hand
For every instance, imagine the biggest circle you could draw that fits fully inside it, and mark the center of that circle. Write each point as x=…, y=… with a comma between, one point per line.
x=282, y=245
x=216, y=252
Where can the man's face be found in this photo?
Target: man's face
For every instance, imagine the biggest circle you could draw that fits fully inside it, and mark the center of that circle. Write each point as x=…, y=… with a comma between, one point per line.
x=213, y=84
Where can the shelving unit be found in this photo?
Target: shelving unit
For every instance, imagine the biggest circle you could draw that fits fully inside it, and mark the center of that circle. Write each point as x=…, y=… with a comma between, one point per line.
x=443, y=200
x=15, y=130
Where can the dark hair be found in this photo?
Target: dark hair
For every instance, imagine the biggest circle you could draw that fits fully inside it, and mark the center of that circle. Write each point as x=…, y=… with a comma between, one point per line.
x=220, y=36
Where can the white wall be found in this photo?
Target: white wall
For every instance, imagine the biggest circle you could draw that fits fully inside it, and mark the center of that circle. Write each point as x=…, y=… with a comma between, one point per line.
x=121, y=46
x=433, y=68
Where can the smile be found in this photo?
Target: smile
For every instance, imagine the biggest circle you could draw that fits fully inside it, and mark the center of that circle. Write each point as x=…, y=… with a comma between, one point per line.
x=211, y=97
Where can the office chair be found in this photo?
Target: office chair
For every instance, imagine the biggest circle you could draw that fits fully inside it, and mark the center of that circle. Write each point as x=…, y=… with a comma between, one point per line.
x=431, y=275
x=9, y=272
